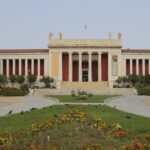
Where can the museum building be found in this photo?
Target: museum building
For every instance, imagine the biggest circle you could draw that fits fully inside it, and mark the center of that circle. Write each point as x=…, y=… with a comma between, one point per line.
x=77, y=63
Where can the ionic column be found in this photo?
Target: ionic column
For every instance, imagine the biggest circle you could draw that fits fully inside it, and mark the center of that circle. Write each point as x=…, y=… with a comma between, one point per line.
x=149, y=66
x=1, y=70
x=125, y=65
x=143, y=66
x=39, y=67
x=131, y=66
x=80, y=66
x=99, y=66
x=26, y=67
x=70, y=66
x=109, y=66
x=60, y=66
x=7, y=71
x=14, y=67
x=137, y=66
x=32, y=66
x=90, y=67
x=20, y=64
x=0, y=66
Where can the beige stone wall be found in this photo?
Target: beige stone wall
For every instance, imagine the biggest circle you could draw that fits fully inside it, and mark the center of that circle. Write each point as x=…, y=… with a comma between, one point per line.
x=84, y=85
x=55, y=64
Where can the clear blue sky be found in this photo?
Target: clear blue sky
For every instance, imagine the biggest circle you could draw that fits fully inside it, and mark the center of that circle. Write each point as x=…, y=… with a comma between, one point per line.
x=27, y=23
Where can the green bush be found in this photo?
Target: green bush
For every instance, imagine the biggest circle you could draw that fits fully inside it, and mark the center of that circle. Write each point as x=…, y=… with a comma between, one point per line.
x=82, y=97
x=12, y=79
x=90, y=95
x=3, y=80
x=73, y=93
x=12, y=92
x=82, y=93
x=20, y=79
x=143, y=91
x=47, y=80
x=25, y=88
x=31, y=78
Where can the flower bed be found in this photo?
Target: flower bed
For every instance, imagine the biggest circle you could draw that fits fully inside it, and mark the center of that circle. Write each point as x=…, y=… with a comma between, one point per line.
x=74, y=130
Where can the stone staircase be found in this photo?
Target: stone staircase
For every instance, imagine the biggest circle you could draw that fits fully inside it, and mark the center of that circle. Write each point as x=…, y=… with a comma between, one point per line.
x=84, y=85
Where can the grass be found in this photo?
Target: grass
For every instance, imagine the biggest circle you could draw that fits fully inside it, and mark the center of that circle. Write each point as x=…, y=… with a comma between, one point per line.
x=17, y=122
x=93, y=99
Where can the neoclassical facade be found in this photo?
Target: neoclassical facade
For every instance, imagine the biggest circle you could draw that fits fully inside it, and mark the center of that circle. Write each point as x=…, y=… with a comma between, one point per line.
x=77, y=63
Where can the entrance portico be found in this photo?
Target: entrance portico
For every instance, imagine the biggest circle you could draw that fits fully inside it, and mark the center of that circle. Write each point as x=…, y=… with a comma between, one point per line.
x=85, y=61
x=84, y=66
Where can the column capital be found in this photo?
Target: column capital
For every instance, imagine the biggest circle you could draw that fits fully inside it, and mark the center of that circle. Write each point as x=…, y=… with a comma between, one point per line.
x=70, y=52
x=89, y=52
x=80, y=53
x=100, y=53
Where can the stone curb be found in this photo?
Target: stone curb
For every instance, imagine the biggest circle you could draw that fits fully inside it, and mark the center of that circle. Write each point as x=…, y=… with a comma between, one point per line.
x=112, y=98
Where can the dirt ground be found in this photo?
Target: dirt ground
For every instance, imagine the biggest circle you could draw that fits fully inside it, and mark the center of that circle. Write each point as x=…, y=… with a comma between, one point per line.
x=7, y=101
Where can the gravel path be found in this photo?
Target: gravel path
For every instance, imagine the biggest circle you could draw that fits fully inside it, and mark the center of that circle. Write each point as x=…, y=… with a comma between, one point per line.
x=25, y=104
x=132, y=104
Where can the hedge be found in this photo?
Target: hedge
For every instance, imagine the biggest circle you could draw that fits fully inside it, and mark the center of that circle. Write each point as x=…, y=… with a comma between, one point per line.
x=12, y=92
x=143, y=91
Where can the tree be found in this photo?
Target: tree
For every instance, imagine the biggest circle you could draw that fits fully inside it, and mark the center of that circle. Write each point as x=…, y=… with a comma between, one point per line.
x=141, y=79
x=147, y=79
x=125, y=80
x=3, y=79
x=119, y=80
x=47, y=80
x=31, y=78
x=133, y=79
x=20, y=79
x=12, y=79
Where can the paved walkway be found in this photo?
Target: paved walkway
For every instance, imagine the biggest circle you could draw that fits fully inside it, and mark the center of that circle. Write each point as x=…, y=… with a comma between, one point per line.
x=25, y=104
x=139, y=105
x=132, y=104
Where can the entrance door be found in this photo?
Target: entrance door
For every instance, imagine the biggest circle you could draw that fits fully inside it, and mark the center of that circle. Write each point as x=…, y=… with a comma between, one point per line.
x=85, y=76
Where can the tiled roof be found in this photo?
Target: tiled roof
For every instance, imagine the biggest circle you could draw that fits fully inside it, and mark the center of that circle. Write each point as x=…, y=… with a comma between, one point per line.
x=55, y=43
x=136, y=51
x=24, y=50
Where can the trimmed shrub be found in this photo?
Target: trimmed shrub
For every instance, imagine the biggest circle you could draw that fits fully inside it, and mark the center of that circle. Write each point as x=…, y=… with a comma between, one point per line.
x=82, y=97
x=90, y=95
x=73, y=93
x=25, y=88
x=12, y=92
x=143, y=91
x=82, y=93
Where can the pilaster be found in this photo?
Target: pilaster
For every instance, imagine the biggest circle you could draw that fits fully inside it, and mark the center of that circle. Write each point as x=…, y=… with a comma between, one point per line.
x=60, y=66
x=99, y=66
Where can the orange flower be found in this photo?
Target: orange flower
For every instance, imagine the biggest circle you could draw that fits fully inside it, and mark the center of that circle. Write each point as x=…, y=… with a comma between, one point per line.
x=120, y=134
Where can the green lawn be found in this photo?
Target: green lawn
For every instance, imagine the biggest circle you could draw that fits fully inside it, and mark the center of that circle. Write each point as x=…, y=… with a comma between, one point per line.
x=93, y=99
x=136, y=124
